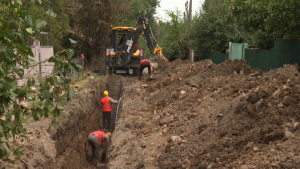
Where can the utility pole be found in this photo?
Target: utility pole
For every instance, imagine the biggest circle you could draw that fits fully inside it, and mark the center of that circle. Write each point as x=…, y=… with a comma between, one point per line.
x=190, y=13
x=51, y=38
x=191, y=52
x=158, y=31
x=39, y=56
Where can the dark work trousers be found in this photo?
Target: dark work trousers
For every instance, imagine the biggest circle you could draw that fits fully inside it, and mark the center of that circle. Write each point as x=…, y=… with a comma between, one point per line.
x=106, y=116
x=96, y=146
x=142, y=67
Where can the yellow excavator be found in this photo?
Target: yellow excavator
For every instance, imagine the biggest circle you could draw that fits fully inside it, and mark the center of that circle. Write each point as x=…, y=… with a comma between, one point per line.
x=123, y=55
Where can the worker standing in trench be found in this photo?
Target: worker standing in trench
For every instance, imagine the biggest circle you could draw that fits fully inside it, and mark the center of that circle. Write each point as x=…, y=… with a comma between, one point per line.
x=106, y=110
x=143, y=64
x=96, y=140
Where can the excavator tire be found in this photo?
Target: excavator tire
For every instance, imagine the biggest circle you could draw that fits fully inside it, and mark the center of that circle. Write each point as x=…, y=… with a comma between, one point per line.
x=109, y=71
x=136, y=71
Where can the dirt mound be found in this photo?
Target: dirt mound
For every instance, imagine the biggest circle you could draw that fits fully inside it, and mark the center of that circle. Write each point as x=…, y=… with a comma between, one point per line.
x=161, y=60
x=202, y=115
x=37, y=147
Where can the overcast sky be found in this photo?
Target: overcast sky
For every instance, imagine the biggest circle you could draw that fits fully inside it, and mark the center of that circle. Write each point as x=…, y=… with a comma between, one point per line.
x=172, y=4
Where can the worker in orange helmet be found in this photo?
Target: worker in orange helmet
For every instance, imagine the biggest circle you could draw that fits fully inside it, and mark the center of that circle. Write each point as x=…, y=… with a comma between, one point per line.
x=96, y=140
x=106, y=110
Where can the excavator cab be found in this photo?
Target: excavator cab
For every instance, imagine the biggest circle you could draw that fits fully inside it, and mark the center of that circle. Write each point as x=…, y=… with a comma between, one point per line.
x=118, y=36
x=117, y=56
x=123, y=55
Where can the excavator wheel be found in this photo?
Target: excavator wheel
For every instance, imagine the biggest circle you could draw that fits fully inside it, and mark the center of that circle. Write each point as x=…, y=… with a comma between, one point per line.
x=136, y=71
x=109, y=71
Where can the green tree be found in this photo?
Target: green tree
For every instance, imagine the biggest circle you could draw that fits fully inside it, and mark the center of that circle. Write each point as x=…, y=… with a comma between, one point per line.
x=16, y=24
x=256, y=22
x=186, y=13
x=139, y=8
x=175, y=36
x=266, y=20
x=211, y=27
x=59, y=24
x=90, y=23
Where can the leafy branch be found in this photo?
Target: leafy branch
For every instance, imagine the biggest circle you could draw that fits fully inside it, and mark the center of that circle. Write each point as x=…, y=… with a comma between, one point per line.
x=41, y=93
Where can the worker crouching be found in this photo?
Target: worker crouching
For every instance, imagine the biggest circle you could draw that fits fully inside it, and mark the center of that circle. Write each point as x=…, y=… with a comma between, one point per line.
x=143, y=64
x=96, y=140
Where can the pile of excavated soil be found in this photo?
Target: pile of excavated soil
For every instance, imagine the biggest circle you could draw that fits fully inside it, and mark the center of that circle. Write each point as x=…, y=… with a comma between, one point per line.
x=202, y=115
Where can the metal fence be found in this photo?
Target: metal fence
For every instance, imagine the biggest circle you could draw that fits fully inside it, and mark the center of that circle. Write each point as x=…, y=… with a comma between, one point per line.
x=286, y=51
x=73, y=74
x=216, y=58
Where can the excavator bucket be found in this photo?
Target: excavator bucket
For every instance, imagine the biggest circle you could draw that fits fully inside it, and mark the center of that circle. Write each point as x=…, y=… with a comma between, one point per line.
x=157, y=50
x=159, y=58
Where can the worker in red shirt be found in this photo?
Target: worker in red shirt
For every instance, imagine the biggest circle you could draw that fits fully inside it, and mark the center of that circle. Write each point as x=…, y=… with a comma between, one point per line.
x=145, y=63
x=96, y=140
x=106, y=110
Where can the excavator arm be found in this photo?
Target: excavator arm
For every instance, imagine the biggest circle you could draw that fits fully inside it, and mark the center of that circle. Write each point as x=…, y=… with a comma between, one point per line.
x=129, y=47
x=148, y=35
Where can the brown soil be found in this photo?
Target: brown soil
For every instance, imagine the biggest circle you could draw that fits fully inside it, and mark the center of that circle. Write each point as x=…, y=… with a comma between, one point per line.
x=202, y=115
x=188, y=115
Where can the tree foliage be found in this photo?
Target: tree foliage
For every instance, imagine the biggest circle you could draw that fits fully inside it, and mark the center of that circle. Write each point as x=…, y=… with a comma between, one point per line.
x=53, y=13
x=138, y=8
x=90, y=25
x=212, y=29
x=256, y=22
x=174, y=35
x=16, y=24
x=266, y=20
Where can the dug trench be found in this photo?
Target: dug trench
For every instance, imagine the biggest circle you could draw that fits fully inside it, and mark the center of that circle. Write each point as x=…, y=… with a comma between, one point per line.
x=61, y=142
x=82, y=116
